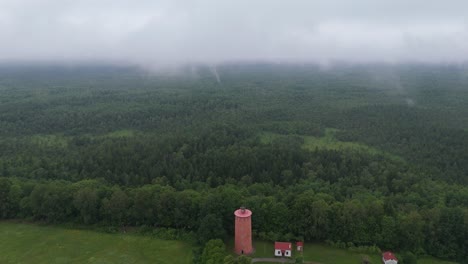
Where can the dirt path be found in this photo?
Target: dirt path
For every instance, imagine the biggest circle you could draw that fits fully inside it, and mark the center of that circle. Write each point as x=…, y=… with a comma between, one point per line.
x=272, y=260
x=280, y=260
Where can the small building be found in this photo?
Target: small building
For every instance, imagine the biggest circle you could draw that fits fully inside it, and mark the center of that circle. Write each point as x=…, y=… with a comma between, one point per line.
x=389, y=258
x=283, y=249
x=299, y=246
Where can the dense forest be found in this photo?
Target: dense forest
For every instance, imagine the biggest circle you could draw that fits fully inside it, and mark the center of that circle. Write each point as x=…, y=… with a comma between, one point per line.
x=354, y=155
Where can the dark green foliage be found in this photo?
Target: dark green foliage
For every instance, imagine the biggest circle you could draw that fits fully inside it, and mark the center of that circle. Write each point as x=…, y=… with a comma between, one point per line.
x=86, y=201
x=214, y=252
x=230, y=259
x=299, y=260
x=115, y=208
x=112, y=147
x=243, y=260
x=210, y=228
x=51, y=202
x=408, y=257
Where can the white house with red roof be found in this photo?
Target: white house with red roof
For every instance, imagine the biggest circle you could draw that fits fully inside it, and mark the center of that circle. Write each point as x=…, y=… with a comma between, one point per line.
x=299, y=246
x=283, y=249
x=389, y=258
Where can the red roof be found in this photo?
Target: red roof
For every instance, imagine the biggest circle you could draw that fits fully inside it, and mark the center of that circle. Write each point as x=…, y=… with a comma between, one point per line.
x=283, y=245
x=299, y=243
x=243, y=213
x=388, y=256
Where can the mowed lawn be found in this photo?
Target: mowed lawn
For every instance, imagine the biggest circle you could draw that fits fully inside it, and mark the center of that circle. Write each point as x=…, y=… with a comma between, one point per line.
x=329, y=255
x=27, y=243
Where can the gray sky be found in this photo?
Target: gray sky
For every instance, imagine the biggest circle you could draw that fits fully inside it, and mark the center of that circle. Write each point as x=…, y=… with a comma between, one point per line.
x=214, y=31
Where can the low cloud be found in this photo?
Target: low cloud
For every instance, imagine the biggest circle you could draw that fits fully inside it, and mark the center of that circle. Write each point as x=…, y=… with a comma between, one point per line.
x=176, y=32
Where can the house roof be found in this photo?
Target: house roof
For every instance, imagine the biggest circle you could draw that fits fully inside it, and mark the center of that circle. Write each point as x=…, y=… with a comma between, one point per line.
x=388, y=256
x=283, y=245
x=300, y=243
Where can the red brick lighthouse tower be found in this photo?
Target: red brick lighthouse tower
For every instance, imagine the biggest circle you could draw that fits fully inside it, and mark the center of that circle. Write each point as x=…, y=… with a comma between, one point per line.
x=243, y=231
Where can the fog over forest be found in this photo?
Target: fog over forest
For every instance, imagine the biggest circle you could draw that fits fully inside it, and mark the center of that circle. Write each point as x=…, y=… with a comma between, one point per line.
x=168, y=33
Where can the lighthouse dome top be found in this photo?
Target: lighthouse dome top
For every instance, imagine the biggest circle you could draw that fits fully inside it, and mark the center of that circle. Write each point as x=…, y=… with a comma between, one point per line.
x=243, y=212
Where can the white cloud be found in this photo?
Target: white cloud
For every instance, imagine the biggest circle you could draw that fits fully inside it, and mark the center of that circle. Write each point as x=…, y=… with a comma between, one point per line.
x=209, y=31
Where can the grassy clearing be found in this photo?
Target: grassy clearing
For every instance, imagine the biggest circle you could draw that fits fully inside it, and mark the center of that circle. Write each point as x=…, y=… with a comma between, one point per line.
x=25, y=243
x=317, y=252
x=60, y=141
x=329, y=141
x=49, y=141
x=329, y=255
x=121, y=133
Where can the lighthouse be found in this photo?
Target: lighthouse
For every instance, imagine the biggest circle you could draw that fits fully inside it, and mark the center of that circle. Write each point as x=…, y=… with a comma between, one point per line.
x=243, y=231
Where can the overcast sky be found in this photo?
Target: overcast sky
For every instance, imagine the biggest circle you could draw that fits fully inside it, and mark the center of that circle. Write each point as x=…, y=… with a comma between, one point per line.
x=215, y=31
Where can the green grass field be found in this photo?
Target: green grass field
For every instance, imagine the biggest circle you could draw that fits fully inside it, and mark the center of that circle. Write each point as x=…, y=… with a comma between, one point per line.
x=328, y=141
x=329, y=255
x=27, y=243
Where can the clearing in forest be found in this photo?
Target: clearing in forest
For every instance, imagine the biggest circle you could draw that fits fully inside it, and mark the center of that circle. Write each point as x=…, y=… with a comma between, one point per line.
x=28, y=243
x=330, y=142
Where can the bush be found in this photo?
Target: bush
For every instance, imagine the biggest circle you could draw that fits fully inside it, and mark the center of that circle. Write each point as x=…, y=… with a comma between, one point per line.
x=341, y=245
x=299, y=260
x=173, y=234
x=408, y=257
x=330, y=243
x=365, y=249
x=110, y=229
